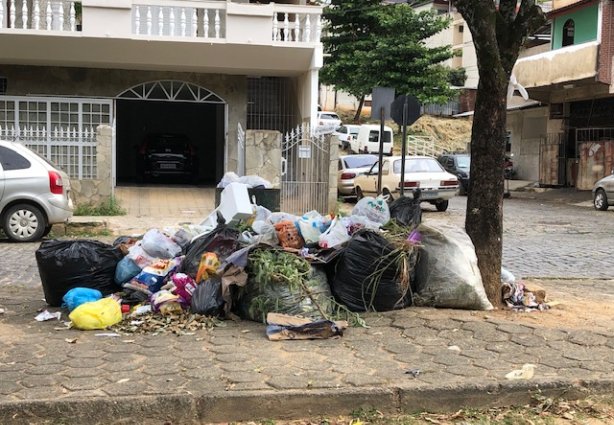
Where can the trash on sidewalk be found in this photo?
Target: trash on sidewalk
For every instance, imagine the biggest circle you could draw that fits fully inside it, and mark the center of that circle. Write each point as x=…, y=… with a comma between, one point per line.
x=45, y=315
x=447, y=273
x=525, y=373
x=243, y=261
x=519, y=295
x=285, y=327
x=96, y=315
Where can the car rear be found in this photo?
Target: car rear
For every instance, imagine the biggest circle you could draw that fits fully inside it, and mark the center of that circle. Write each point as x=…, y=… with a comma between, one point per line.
x=354, y=165
x=35, y=188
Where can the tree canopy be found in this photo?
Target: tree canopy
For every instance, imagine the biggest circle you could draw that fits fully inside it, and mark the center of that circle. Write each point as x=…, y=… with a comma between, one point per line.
x=369, y=44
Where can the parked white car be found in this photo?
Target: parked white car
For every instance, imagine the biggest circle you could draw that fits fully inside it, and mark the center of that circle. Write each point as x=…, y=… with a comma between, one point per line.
x=327, y=122
x=346, y=133
x=368, y=140
x=34, y=194
x=351, y=166
x=603, y=192
x=436, y=185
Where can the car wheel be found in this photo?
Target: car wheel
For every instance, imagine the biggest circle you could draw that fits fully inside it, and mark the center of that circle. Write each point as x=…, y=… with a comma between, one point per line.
x=359, y=194
x=47, y=230
x=441, y=205
x=24, y=223
x=601, y=200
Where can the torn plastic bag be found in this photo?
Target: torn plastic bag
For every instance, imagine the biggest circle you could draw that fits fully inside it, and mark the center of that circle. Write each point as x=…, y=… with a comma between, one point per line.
x=367, y=275
x=96, y=315
x=126, y=269
x=207, y=298
x=262, y=295
x=375, y=209
x=63, y=265
x=158, y=245
x=288, y=235
x=336, y=235
x=77, y=296
x=406, y=211
x=227, y=178
x=223, y=241
x=447, y=274
x=311, y=226
x=141, y=258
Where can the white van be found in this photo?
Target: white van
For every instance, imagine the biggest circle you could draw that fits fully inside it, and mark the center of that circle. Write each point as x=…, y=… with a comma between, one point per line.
x=368, y=140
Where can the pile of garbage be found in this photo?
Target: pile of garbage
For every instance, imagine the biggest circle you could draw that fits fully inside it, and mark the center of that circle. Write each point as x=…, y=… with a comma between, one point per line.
x=306, y=276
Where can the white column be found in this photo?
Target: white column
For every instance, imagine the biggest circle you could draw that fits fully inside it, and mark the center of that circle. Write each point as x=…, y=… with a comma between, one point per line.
x=24, y=15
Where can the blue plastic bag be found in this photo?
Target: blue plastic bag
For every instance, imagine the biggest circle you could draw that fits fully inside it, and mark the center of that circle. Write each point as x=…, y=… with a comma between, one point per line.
x=126, y=269
x=77, y=296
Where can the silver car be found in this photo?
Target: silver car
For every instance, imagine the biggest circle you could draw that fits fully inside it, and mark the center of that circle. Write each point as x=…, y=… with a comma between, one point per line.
x=351, y=166
x=603, y=193
x=34, y=194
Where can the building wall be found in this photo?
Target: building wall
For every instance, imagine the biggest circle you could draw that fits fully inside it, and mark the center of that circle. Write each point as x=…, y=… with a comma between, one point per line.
x=606, y=51
x=585, y=21
x=528, y=128
x=85, y=82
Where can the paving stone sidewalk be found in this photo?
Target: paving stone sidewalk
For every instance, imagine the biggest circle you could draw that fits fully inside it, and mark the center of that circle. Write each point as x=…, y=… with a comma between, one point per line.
x=458, y=358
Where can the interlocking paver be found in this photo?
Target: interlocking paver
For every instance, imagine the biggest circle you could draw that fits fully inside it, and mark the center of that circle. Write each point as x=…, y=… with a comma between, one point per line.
x=37, y=363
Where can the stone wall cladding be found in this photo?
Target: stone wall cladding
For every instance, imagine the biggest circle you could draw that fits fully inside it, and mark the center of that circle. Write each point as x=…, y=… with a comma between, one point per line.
x=263, y=155
x=100, y=189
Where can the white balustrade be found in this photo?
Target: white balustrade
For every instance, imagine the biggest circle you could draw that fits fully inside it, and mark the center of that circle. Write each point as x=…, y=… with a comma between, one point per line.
x=176, y=20
x=24, y=15
x=1, y=14
x=36, y=19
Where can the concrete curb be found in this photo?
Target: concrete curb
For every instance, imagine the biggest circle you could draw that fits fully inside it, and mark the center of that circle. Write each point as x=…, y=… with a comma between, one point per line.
x=252, y=405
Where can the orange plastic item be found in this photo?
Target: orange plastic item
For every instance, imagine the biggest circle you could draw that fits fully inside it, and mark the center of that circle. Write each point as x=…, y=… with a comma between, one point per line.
x=208, y=265
x=288, y=235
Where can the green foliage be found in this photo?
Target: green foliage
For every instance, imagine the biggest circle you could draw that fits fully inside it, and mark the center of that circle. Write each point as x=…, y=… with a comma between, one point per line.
x=458, y=76
x=369, y=44
x=105, y=208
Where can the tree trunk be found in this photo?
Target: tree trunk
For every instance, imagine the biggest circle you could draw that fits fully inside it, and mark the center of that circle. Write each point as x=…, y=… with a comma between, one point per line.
x=484, y=217
x=359, y=110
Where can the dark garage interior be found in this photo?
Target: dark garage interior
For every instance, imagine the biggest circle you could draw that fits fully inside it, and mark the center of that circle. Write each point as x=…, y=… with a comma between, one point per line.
x=201, y=123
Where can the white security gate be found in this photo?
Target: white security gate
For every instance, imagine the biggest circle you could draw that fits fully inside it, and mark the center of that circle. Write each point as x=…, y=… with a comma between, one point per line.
x=305, y=172
x=62, y=130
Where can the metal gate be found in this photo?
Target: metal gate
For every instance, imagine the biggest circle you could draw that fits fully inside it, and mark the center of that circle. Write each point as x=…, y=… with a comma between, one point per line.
x=305, y=166
x=552, y=161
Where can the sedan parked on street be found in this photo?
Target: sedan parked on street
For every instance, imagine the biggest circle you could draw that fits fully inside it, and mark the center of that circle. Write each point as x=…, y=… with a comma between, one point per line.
x=34, y=194
x=351, y=166
x=458, y=164
x=436, y=185
x=603, y=192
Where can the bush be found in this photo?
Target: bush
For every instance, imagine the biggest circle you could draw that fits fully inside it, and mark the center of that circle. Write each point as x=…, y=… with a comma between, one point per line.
x=106, y=208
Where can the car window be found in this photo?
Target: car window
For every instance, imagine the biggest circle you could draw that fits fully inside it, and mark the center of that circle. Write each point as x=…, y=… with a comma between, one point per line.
x=418, y=165
x=342, y=129
x=386, y=167
x=374, y=136
x=463, y=161
x=360, y=161
x=374, y=169
x=11, y=160
x=450, y=162
x=329, y=116
x=354, y=130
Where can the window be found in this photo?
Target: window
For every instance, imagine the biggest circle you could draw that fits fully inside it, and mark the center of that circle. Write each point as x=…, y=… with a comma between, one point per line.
x=418, y=165
x=374, y=136
x=461, y=28
x=569, y=30
x=508, y=141
x=11, y=160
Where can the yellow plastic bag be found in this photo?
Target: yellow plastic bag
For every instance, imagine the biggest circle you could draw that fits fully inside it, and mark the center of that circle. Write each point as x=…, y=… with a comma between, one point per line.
x=96, y=315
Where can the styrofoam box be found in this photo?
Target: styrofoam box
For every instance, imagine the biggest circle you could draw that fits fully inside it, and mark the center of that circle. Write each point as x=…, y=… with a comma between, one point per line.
x=234, y=203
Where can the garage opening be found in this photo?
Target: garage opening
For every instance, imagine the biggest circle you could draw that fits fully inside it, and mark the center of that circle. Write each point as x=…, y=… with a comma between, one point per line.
x=169, y=132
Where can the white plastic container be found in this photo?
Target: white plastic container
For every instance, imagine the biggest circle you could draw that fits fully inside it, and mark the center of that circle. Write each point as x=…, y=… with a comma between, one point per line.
x=234, y=203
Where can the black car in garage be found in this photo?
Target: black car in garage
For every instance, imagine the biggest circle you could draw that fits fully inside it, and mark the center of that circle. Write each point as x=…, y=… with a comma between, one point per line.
x=163, y=154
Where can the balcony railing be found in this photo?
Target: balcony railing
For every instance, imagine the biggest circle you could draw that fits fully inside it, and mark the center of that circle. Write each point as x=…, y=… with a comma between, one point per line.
x=178, y=19
x=50, y=15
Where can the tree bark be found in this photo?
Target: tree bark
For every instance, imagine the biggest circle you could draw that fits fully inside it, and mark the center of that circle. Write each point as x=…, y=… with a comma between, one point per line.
x=498, y=34
x=359, y=110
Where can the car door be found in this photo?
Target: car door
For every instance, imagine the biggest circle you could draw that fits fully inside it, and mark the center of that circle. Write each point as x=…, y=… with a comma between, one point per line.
x=609, y=188
x=1, y=182
x=371, y=179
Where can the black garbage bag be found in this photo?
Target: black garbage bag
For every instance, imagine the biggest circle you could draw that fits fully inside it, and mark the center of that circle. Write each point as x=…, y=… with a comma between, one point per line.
x=207, y=298
x=63, y=265
x=223, y=240
x=267, y=291
x=367, y=276
x=406, y=211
